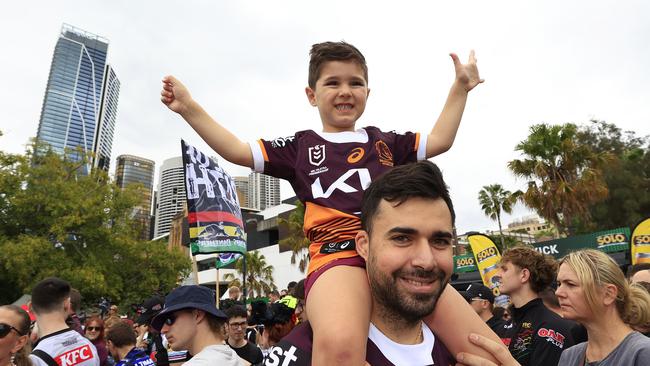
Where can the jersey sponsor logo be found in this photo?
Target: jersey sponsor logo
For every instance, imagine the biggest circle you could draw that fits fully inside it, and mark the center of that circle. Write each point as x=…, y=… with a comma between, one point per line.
x=281, y=141
x=317, y=155
x=384, y=153
x=552, y=336
x=320, y=170
x=526, y=325
x=317, y=190
x=75, y=356
x=355, y=155
x=329, y=248
x=279, y=357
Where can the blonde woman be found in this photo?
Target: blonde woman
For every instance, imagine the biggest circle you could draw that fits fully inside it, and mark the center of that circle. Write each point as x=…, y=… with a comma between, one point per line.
x=14, y=333
x=593, y=291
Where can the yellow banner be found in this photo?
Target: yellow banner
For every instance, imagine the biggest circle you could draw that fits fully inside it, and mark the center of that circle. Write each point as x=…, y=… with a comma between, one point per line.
x=641, y=243
x=487, y=259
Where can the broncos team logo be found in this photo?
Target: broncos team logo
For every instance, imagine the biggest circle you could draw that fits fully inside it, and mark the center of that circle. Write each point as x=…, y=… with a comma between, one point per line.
x=384, y=153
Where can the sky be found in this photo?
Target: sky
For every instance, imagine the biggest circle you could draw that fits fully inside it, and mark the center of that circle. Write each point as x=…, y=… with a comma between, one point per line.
x=246, y=63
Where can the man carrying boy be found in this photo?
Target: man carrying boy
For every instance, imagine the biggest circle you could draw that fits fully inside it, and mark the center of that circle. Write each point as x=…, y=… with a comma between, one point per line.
x=329, y=170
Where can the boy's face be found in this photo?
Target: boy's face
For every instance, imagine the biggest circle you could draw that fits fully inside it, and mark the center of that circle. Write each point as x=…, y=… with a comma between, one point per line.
x=340, y=94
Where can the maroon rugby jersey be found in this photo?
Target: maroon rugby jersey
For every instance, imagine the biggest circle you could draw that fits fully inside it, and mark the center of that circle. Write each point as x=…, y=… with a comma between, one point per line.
x=329, y=172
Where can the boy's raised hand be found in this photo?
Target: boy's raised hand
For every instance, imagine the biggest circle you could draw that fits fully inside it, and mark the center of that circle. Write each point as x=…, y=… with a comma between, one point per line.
x=175, y=95
x=466, y=74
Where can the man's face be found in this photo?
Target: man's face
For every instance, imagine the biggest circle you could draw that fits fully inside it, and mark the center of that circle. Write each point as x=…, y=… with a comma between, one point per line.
x=180, y=329
x=340, y=94
x=301, y=311
x=641, y=276
x=409, y=256
x=236, y=328
x=478, y=305
x=510, y=275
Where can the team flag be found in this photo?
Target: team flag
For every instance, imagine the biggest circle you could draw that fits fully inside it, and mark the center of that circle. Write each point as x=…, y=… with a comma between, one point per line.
x=213, y=212
x=641, y=242
x=487, y=260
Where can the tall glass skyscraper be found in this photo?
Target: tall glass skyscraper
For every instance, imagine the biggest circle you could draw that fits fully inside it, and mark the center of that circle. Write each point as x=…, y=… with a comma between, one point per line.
x=133, y=169
x=171, y=194
x=80, y=104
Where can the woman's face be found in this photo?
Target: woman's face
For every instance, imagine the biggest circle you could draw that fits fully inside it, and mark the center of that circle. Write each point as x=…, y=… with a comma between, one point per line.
x=11, y=342
x=93, y=329
x=571, y=295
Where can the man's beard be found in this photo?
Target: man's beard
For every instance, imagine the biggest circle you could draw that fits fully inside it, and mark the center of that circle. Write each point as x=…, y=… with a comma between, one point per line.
x=398, y=303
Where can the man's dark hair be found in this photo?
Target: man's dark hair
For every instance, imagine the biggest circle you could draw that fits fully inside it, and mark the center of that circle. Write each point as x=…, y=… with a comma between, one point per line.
x=637, y=268
x=274, y=293
x=548, y=296
x=299, y=290
x=121, y=334
x=422, y=180
x=236, y=311
x=333, y=51
x=49, y=295
x=75, y=300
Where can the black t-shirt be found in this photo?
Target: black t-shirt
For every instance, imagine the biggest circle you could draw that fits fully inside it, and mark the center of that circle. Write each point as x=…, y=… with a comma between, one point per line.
x=250, y=353
x=497, y=325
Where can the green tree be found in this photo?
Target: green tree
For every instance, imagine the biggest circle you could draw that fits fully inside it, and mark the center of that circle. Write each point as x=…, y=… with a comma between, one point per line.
x=259, y=274
x=494, y=200
x=295, y=239
x=56, y=220
x=627, y=176
x=564, y=176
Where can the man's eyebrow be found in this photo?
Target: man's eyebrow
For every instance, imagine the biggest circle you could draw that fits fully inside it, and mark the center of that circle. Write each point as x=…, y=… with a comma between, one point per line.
x=408, y=230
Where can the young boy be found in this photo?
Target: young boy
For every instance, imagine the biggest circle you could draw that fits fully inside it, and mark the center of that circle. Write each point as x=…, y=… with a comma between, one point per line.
x=329, y=170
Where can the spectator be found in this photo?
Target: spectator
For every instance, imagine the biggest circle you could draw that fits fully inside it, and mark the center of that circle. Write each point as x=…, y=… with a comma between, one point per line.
x=639, y=272
x=234, y=294
x=288, y=299
x=75, y=306
x=191, y=321
x=537, y=336
x=274, y=296
x=120, y=341
x=58, y=343
x=237, y=325
x=95, y=333
x=149, y=338
x=301, y=310
x=593, y=291
x=14, y=334
x=481, y=299
x=277, y=324
x=550, y=300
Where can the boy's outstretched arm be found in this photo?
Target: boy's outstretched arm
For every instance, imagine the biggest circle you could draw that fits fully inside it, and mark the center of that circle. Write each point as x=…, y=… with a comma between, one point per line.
x=444, y=131
x=177, y=98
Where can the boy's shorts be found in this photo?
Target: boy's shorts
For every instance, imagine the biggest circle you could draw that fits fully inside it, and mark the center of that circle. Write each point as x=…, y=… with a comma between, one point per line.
x=355, y=261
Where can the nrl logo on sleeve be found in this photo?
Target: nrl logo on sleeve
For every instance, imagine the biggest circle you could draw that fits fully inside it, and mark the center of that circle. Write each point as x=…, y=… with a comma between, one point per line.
x=317, y=155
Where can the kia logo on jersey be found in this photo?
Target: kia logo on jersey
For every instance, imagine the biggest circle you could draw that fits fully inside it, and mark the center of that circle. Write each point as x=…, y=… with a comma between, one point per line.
x=317, y=155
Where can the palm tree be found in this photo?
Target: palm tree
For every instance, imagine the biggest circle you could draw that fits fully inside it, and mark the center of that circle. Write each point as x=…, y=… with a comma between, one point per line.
x=494, y=200
x=295, y=238
x=564, y=176
x=259, y=274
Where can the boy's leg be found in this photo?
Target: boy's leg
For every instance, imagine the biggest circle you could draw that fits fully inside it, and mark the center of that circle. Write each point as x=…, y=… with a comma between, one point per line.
x=453, y=320
x=339, y=307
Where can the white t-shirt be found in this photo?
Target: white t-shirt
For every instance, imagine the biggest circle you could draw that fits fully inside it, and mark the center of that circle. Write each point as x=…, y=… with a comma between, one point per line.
x=67, y=348
x=404, y=354
x=217, y=354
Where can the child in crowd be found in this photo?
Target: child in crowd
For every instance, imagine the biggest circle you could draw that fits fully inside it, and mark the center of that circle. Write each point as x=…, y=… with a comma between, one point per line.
x=328, y=171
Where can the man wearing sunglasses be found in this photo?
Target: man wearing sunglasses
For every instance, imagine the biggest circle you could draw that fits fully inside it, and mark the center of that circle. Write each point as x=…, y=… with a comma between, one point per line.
x=481, y=299
x=58, y=343
x=191, y=321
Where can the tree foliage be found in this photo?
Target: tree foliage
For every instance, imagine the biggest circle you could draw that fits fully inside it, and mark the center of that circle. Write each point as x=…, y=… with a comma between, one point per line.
x=564, y=175
x=494, y=200
x=57, y=221
x=296, y=239
x=259, y=274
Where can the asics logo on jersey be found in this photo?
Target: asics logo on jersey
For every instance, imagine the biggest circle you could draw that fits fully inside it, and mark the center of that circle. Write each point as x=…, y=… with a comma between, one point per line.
x=76, y=356
x=317, y=155
x=340, y=184
x=355, y=155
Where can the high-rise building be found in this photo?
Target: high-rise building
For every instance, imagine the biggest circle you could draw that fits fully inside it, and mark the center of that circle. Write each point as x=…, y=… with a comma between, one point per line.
x=80, y=103
x=132, y=169
x=171, y=194
x=241, y=185
x=263, y=191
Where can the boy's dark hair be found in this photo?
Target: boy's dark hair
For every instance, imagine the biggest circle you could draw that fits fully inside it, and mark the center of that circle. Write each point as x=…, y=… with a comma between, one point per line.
x=333, y=51
x=543, y=268
x=632, y=270
x=422, y=179
x=121, y=334
x=49, y=295
x=236, y=311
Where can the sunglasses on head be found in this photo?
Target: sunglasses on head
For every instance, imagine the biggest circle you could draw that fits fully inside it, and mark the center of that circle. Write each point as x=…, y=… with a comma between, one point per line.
x=6, y=329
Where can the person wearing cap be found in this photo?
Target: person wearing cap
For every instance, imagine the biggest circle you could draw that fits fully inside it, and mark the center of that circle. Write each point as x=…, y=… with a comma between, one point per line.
x=151, y=339
x=481, y=299
x=190, y=320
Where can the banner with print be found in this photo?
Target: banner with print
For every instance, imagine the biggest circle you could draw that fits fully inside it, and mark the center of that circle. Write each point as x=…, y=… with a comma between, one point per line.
x=213, y=212
x=464, y=263
x=487, y=258
x=641, y=242
x=224, y=259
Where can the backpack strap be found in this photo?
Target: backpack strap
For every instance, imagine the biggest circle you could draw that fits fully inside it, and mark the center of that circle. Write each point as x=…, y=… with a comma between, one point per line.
x=45, y=357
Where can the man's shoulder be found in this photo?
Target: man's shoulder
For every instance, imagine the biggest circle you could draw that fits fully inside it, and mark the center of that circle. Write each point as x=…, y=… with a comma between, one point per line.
x=215, y=353
x=67, y=345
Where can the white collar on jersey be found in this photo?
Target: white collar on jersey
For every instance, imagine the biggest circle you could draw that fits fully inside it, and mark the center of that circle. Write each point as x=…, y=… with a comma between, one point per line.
x=359, y=135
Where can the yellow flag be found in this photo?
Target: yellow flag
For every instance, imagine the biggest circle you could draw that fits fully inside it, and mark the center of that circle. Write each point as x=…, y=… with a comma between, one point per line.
x=487, y=259
x=641, y=243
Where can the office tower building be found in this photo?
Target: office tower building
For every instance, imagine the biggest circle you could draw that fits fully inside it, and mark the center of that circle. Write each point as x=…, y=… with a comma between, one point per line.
x=171, y=194
x=130, y=170
x=80, y=103
x=241, y=184
x=263, y=191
